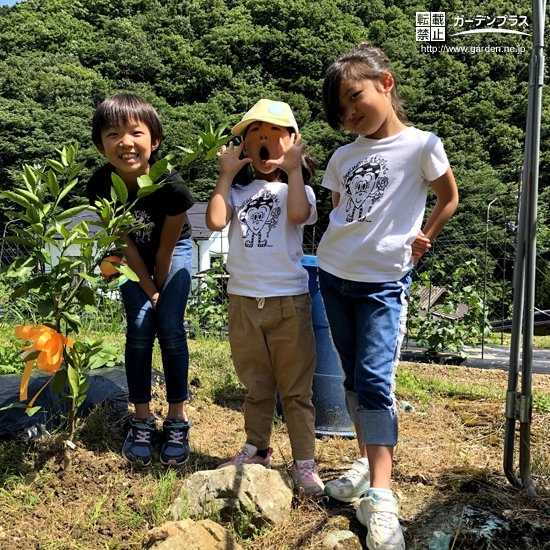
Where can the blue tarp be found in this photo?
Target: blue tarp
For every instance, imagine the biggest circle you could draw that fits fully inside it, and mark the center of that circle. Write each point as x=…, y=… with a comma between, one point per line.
x=107, y=385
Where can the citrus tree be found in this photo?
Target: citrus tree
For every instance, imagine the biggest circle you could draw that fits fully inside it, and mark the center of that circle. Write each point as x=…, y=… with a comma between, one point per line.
x=59, y=274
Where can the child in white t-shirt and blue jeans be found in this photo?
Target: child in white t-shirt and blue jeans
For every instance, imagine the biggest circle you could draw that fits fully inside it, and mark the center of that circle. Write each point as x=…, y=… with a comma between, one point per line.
x=379, y=187
x=262, y=192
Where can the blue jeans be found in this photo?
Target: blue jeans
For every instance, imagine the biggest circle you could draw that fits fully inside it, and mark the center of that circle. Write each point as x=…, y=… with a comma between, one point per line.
x=143, y=325
x=367, y=323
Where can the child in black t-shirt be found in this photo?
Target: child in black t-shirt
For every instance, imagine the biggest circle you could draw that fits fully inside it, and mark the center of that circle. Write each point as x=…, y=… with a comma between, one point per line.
x=127, y=130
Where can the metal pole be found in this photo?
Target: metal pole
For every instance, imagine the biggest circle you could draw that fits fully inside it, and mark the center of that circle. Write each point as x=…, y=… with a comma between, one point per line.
x=519, y=405
x=485, y=278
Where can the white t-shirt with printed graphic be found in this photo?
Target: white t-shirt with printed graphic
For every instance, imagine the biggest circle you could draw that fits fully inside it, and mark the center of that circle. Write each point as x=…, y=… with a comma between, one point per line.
x=265, y=249
x=383, y=186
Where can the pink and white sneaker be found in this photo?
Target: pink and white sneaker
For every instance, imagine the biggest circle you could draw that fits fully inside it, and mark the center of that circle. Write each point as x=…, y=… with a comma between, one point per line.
x=249, y=455
x=306, y=478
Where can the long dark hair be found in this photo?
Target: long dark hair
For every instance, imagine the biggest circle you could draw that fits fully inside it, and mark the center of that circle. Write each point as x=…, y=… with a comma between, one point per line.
x=364, y=62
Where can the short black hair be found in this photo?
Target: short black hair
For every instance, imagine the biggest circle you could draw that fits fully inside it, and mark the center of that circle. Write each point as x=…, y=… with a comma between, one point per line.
x=121, y=109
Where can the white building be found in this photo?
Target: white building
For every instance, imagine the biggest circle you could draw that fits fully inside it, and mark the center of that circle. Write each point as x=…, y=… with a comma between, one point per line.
x=207, y=245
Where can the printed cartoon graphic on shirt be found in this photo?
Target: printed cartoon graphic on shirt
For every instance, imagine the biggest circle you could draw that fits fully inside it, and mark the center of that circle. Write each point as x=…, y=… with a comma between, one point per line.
x=144, y=226
x=258, y=216
x=364, y=185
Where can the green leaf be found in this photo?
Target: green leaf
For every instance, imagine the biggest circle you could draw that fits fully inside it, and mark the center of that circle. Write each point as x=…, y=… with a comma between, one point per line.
x=38, y=228
x=17, y=198
x=211, y=153
x=34, y=214
x=31, y=197
x=20, y=240
x=72, y=212
x=144, y=191
x=63, y=155
x=70, y=153
x=86, y=295
x=29, y=176
x=158, y=169
x=72, y=320
x=33, y=410
x=221, y=129
x=18, y=216
x=125, y=270
x=190, y=158
x=89, y=278
x=21, y=268
x=48, y=239
x=74, y=170
x=53, y=184
x=106, y=210
x=67, y=189
x=144, y=181
x=57, y=166
x=73, y=379
x=121, y=191
x=45, y=308
x=62, y=230
x=59, y=380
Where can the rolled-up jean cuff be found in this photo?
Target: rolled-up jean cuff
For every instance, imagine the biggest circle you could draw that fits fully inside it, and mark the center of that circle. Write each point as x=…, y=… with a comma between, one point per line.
x=352, y=404
x=378, y=427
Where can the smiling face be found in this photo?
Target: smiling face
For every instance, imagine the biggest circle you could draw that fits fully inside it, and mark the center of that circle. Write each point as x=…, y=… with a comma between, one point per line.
x=366, y=107
x=128, y=148
x=264, y=141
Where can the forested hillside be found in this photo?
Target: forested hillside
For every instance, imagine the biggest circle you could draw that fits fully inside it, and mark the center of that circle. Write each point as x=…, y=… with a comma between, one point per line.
x=201, y=60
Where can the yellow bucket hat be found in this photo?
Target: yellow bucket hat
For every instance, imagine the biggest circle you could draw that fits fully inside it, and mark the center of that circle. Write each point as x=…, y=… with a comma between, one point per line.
x=267, y=110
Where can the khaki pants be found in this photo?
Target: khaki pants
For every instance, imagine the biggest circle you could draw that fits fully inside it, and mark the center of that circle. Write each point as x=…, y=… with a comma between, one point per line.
x=273, y=348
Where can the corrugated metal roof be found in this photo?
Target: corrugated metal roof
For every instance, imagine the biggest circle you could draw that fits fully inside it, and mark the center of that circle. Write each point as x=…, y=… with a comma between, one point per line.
x=429, y=296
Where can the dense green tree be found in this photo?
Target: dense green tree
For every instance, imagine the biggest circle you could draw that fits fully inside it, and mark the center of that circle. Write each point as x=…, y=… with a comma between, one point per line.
x=210, y=60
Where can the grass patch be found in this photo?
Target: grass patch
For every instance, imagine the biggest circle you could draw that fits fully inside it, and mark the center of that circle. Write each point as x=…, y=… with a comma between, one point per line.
x=158, y=508
x=505, y=339
x=412, y=386
x=541, y=402
x=422, y=389
x=211, y=371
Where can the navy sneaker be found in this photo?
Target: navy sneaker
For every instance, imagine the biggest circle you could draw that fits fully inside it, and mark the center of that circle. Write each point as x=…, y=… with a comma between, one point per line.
x=137, y=446
x=175, y=442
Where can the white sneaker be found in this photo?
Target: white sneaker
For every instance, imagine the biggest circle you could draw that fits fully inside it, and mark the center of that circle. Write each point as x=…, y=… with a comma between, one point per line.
x=350, y=486
x=378, y=513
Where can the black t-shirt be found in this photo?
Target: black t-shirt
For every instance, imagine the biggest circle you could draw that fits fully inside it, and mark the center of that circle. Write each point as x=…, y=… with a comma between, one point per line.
x=171, y=199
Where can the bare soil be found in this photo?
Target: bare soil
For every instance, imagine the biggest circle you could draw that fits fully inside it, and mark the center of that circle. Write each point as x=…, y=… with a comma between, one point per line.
x=448, y=477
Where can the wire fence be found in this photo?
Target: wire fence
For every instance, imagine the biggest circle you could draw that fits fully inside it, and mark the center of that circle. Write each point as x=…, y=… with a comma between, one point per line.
x=492, y=248
x=9, y=252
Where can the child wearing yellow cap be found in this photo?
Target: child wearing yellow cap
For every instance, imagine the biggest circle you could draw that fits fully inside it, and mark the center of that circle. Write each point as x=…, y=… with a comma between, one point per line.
x=263, y=193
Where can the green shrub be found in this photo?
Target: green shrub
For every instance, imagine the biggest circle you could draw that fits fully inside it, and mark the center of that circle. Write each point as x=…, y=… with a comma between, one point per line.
x=445, y=328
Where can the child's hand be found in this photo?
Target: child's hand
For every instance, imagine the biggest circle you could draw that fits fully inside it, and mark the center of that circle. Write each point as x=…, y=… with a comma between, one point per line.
x=230, y=161
x=420, y=246
x=291, y=159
